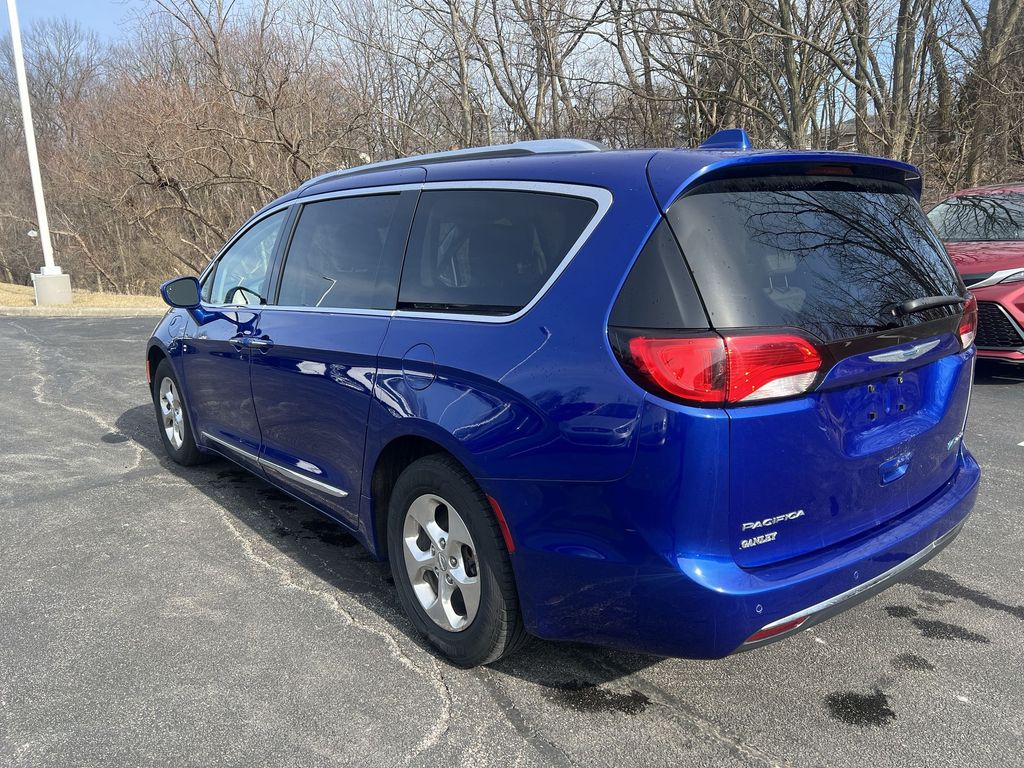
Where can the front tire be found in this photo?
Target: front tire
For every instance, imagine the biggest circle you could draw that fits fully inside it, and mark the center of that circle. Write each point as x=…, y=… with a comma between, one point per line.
x=450, y=565
x=172, y=418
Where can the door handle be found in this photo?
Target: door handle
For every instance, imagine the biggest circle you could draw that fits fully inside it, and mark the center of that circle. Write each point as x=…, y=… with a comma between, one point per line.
x=263, y=344
x=239, y=342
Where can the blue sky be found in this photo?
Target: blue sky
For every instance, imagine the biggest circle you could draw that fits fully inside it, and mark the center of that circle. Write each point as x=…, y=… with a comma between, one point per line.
x=103, y=16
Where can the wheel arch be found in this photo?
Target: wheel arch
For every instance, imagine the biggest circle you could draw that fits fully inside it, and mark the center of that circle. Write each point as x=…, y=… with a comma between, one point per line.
x=391, y=461
x=154, y=356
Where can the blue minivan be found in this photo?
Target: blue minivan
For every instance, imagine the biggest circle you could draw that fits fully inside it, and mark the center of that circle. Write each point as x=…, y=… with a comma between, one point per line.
x=686, y=402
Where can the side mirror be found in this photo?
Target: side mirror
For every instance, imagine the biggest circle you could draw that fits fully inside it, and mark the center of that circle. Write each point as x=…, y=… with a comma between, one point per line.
x=182, y=292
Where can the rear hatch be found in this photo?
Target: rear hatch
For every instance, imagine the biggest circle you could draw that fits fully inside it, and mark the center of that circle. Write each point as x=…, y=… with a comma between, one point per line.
x=865, y=424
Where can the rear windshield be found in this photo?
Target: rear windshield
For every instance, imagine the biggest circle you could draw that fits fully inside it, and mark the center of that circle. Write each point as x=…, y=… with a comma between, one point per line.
x=831, y=256
x=980, y=217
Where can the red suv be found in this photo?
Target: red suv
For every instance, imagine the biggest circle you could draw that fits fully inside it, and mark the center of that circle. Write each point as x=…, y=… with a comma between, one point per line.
x=983, y=230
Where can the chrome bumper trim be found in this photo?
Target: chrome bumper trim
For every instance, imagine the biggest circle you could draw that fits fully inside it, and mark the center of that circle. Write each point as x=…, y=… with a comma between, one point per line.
x=834, y=605
x=265, y=464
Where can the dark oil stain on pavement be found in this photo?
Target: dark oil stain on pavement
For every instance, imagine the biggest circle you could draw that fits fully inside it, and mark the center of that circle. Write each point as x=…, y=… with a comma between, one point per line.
x=860, y=708
x=234, y=476
x=933, y=602
x=329, y=533
x=587, y=697
x=912, y=662
x=114, y=437
x=935, y=630
x=324, y=531
x=941, y=630
x=271, y=494
x=900, y=611
x=944, y=584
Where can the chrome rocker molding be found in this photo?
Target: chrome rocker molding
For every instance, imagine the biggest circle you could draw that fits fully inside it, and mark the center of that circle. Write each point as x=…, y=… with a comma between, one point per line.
x=841, y=602
x=264, y=464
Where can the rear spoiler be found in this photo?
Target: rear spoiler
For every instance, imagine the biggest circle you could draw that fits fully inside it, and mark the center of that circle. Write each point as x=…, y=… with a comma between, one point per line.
x=672, y=172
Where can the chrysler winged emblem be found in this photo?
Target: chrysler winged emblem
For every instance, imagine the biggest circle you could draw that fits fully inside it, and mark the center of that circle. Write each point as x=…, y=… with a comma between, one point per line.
x=902, y=355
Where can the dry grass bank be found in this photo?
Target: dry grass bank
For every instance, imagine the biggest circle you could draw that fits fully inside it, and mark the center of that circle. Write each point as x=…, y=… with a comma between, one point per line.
x=23, y=296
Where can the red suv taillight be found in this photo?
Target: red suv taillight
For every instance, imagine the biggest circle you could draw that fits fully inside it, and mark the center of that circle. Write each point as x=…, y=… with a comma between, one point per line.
x=711, y=369
x=969, y=322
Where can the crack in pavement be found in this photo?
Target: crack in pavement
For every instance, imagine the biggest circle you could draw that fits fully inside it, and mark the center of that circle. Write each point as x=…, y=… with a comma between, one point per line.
x=39, y=373
x=548, y=750
x=686, y=715
x=286, y=580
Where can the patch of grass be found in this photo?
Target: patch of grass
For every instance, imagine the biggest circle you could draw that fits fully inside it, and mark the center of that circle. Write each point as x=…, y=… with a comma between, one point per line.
x=24, y=296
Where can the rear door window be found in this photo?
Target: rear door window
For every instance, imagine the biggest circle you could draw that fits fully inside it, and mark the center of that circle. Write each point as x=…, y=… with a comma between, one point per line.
x=832, y=256
x=346, y=253
x=487, y=251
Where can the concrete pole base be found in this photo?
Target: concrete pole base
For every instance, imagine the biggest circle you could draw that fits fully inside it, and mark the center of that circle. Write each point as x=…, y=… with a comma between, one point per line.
x=52, y=289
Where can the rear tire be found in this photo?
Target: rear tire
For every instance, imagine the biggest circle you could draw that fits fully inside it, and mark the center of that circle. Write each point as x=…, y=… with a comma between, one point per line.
x=450, y=564
x=172, y=418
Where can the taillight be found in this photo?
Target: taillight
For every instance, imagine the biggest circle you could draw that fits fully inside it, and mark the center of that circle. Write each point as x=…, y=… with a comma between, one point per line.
x=690, y=368
x=764, y=367
x=710, y=369
x=969, y=322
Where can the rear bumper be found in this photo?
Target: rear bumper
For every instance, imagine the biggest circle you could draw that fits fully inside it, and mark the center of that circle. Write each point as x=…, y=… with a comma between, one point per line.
x=626, y=594
x=826, y=609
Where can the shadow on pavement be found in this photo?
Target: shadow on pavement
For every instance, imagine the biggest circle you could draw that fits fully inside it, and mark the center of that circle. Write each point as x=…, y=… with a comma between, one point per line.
x=990, y=372
x=326, y=549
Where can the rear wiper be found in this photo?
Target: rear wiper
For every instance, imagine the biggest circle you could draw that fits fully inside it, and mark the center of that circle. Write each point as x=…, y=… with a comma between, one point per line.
x=910, y=306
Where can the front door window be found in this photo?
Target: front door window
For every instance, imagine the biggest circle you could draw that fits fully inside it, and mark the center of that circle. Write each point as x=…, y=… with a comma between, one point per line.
x=242, y=274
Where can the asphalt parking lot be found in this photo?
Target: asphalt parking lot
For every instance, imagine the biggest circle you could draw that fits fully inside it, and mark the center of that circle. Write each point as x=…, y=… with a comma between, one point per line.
x=157, y=615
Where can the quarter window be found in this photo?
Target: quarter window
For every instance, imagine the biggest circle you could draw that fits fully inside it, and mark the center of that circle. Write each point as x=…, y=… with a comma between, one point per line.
x=344, y=253
x=487, y=251
x=242, y=273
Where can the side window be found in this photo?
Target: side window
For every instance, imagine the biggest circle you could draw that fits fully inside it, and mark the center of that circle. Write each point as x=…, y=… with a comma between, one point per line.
x=488, y=251
x=345, y=253
x=242, y=273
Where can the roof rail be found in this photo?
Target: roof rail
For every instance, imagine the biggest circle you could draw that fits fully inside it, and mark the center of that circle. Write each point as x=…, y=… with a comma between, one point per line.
x=516, y=149
x=729, y=138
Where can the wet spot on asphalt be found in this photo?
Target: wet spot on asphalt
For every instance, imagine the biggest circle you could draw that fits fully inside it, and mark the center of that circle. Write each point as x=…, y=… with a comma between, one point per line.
x=944, y=584
x=933, y=629
x=280, y=530
x=912, y=662
x=234, y=476
x=329, y=533
x=587, y=697
x=933, y=602
x=871, y=709
x=900, y=611
x=941, y=630
x=114, y=437
x=274, y=495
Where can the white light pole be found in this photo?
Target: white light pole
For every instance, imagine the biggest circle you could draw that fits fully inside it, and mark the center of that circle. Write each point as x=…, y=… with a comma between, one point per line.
x=51, y=284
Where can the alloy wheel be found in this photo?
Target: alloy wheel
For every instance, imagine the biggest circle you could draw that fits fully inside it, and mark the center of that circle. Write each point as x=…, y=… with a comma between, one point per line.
x=441, y=562
x=171, y=414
